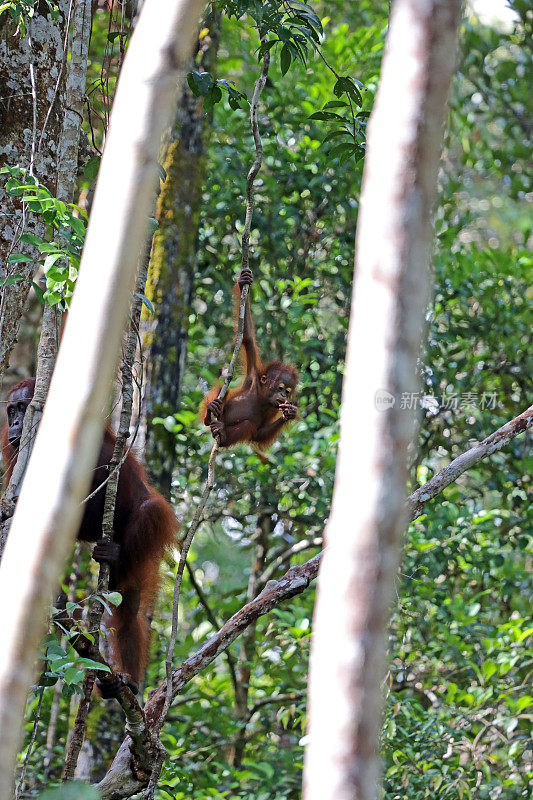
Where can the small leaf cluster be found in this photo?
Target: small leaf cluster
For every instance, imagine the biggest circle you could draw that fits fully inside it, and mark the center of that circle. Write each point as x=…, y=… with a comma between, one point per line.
x=21, y=11
x=63, y=663
x=293, y=24
x=65, y=235
x=61, y=659
x=202, y=84
x=347, y=127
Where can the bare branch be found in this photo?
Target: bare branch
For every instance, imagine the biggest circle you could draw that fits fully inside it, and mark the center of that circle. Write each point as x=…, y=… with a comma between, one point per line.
x=287, y=554
x=455, y=468
x=290, y=697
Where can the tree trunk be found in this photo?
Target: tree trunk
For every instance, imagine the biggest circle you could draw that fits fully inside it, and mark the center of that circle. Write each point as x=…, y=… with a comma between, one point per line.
x=172, y=263
x=32, y=78
x=67, y=149
x=389, y=302
x=58, y=475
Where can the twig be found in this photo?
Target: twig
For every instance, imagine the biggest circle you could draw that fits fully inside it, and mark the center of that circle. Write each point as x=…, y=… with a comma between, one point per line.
x=274, y=698
x=286, y=555
x=177, y=587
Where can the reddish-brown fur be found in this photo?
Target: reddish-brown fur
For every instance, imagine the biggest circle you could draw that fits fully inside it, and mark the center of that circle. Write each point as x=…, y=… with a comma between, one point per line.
x=261, y=406
x=144, y=526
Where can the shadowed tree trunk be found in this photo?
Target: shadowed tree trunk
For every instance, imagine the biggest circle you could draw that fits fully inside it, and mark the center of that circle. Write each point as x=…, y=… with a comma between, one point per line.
x=32, y=78
x=172, y=264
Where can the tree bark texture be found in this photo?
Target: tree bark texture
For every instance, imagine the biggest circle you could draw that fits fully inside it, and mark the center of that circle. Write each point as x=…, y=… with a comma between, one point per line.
x=32, y=79
x=387, y=319
x=173, y=260
x=67, y=171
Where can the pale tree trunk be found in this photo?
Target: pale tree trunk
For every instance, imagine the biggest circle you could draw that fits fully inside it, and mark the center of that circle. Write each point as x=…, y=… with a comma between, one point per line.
x=387, y=320
x=32, y=78
x=58, y=475
x=173, y=261
x=74, y=96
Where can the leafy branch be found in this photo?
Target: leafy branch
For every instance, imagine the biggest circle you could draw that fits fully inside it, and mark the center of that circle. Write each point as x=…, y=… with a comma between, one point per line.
x=61, y=253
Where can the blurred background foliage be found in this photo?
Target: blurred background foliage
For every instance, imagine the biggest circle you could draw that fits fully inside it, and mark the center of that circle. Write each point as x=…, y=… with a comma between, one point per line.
x=458, y=708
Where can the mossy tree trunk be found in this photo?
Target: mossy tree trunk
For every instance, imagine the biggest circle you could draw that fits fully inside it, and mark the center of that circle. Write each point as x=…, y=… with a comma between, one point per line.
x=32, y=82
x=173, y=260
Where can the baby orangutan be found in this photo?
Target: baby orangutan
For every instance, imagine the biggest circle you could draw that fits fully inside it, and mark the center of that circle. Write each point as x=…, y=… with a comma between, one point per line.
x=257, y=411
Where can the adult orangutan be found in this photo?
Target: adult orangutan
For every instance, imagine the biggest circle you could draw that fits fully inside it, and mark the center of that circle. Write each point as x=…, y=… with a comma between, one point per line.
x=144, y=526
x=258, y=410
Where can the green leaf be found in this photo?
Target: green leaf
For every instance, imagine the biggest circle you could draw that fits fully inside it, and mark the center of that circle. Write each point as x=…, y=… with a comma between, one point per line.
x=526, y=701
x=39, y=292
x=47, y=680
x=91, y=168
x=52, y=298
x=10, y=280
x=214, y=95
x=88, y=663
x=18, y=258
x=73, y=675
x=285, y=59
x=115, y=598
x=148, y=303
x=199, y=83
x=51, y=260
x=326, y=116
x=335, y=104
x=29, y=238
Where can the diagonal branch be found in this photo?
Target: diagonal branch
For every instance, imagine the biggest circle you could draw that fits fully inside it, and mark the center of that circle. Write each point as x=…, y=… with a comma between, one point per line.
x=455, y=468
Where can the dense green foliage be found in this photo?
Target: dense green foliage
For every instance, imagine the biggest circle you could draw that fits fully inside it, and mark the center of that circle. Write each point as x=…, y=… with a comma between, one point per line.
x=458, y=710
